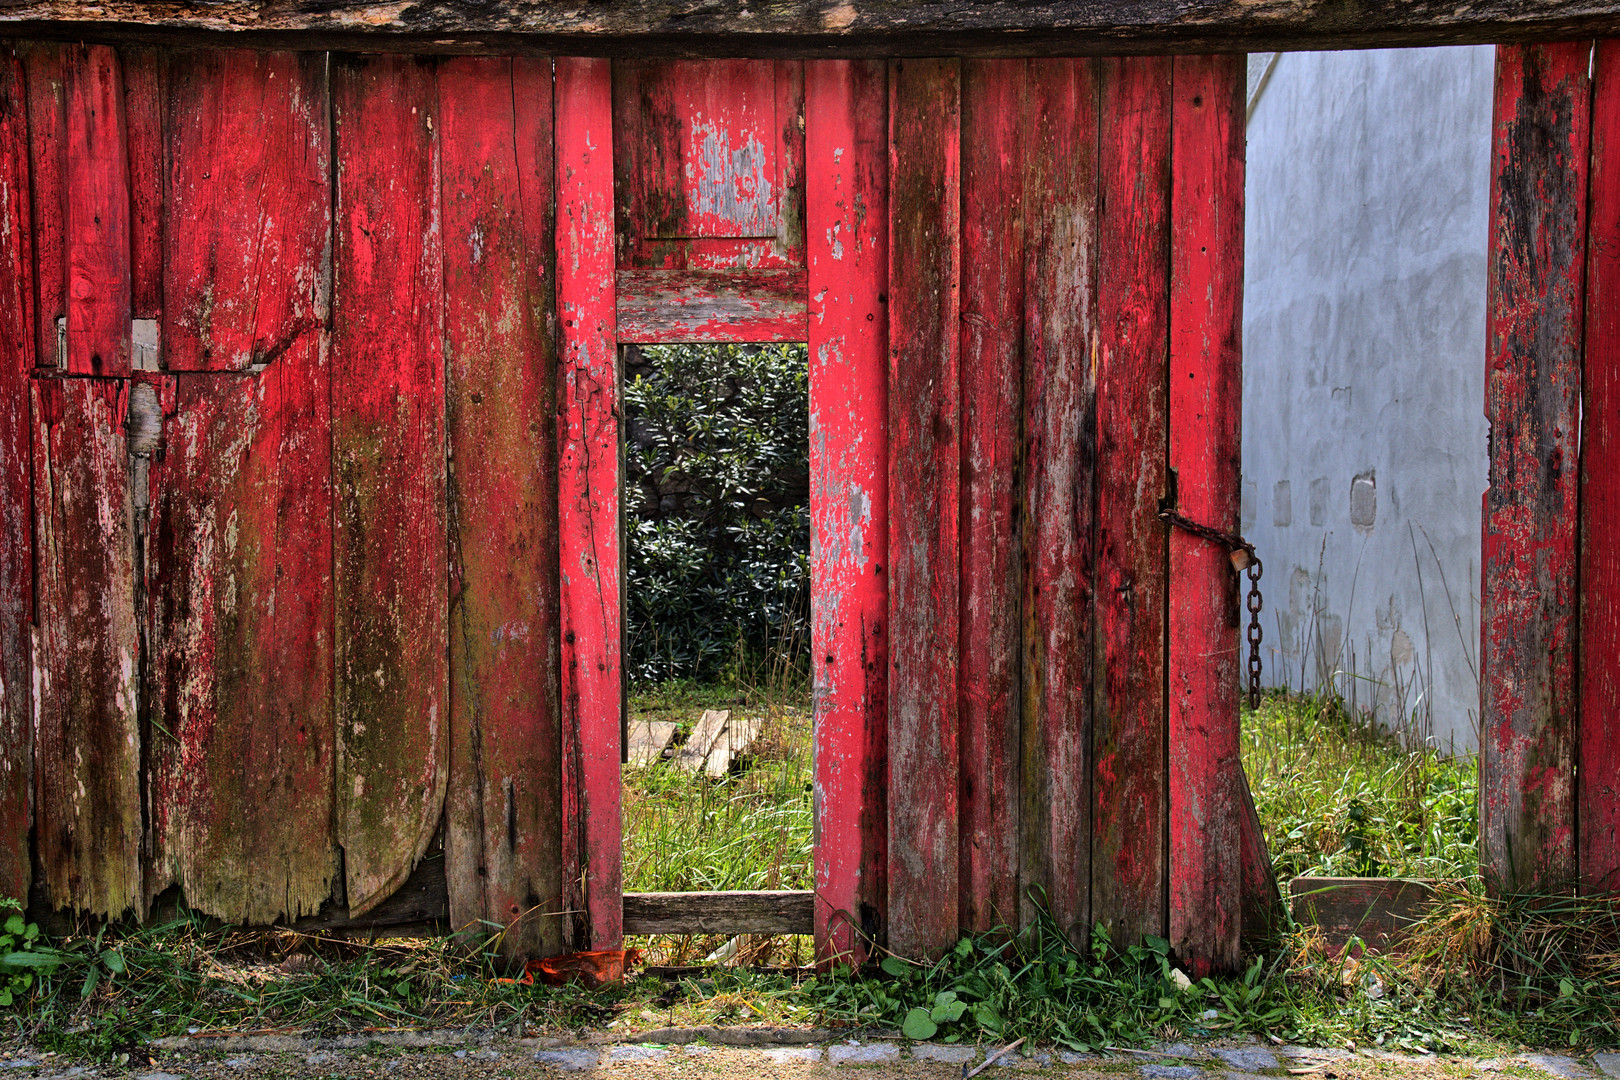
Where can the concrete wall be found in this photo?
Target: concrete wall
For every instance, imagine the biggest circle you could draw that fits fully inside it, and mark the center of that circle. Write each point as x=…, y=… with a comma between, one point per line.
x=1364, y=438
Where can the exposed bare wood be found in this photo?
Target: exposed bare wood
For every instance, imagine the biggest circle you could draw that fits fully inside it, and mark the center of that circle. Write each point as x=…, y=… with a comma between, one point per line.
x=718, y=913
x=648, y=739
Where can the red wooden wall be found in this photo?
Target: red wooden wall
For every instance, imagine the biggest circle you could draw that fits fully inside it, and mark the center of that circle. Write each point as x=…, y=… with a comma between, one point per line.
x=329, y=588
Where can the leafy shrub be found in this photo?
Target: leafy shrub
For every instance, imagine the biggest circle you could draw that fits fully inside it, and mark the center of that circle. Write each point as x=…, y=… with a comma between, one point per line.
x=717, y=520
x=19, y=957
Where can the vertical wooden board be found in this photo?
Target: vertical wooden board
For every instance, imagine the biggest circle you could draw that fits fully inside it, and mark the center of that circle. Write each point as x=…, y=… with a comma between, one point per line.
x=391, y=570
x=86, y=649
x=47, y=134
x=247, y=160
x=96, y=208
x=1060, y=457
x=588, y=499
x=16, y=480
x=1206, y=299
x=1540, y=143
x=145, y=69
x=503, y=833
x=1598, y=795
x=846, y=194
x=924, y=503
x=240, y=609
x=1129, y=797
x=993, y=211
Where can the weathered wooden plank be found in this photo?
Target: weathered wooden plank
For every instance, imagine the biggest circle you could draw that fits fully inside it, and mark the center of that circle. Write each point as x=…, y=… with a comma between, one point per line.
x=1129, y=797
x=96, y=208
x=709, y=164
x=87, y=795
x=1206, y=297
x=705, y=734
x=247, y=178
x=240, y=614
x=388, y=453
x=16, y=481
x=733, y=743
x=1597, y=809
x=731, y=28
x=846, y=193
x=1262, y=902
x=503, y=835
x=994, y=96
x=47, y=133
x=648, y=741
x=669, y=306
x=588, y=500
x=718, y=913
x=145, y=77
x=1540, y=143
x=1060, y=457
x=1378, y=911
x=924, y=494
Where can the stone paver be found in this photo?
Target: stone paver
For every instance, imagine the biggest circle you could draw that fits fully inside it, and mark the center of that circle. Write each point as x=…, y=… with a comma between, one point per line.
x=950, y=1055
x=637, y=1053
x=1171, y=1072
x=569, y=1060
x=1247, y=1058
x=794, y=1055
x=1609, y=1063
x=873, y=1054
x=1555, y=1064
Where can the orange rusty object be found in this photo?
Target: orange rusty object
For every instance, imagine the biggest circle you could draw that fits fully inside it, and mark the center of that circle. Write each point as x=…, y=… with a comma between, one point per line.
x=601, y=967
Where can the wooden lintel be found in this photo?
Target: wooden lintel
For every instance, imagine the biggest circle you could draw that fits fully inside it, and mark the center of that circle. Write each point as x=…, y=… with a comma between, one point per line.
x=808, y=28
x=718, y=913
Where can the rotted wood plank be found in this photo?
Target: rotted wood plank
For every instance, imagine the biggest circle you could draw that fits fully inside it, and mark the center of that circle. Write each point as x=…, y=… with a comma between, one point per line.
x=1206, y=299
x=1129, y=795
x=47, y=135
x=16, y=481
x=924, y=503
x=1060, y=458
x=390, y=552
x=1598, y=786
x=670, y=306
x=588, y=500
x=96, y=209
x=994, y=94
x=1540, y=143
x=846, y=193
x=718, y=913
x=1377, y=911
x=87, y=753
x=145, y=78
x=247, y=176
x=503, y=821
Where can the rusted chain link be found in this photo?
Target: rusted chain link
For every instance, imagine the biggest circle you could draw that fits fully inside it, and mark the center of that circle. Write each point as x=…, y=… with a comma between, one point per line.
x=1244, y=559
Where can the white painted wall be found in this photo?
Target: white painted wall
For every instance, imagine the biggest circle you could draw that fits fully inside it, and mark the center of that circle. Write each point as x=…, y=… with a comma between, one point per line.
x=1364, y=437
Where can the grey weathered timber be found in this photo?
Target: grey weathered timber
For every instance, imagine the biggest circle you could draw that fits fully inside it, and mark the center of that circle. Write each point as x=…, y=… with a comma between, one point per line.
x=1379, y=911
x=818, y=27
x=718, y=913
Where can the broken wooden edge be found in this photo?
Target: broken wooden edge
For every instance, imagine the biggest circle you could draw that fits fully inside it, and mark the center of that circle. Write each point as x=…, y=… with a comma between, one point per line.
x=1379, y=912
x=760, y=912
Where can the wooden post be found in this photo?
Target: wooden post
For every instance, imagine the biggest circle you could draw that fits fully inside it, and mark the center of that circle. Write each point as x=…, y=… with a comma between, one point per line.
x=1537, y=261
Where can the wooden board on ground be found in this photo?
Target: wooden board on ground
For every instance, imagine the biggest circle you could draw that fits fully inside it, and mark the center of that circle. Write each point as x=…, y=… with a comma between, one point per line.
x=760, y=912
x=704, y=735
x=734, y=741
x=1379, y=911
x=648, y=740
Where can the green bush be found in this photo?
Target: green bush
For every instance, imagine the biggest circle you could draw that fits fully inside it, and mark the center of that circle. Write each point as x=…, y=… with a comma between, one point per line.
x=717, y=519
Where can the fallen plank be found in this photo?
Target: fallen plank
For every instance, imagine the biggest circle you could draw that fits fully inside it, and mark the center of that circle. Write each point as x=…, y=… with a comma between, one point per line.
x=707, y=732
x=1378, y=911
x=648, y=741
x=760, y=912
x=734, y=741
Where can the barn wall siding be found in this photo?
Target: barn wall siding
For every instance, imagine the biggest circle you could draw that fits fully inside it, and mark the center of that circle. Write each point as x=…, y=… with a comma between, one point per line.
x=350, y=559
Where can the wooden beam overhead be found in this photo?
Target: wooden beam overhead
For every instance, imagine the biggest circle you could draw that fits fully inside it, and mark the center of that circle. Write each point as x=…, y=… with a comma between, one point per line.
x=809, y=28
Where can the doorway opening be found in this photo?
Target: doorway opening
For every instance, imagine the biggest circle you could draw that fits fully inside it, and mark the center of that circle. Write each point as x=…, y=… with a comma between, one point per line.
x=716, y=785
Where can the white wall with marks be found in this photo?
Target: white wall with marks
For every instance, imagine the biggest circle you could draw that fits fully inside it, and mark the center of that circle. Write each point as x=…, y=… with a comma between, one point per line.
x=1364, y=437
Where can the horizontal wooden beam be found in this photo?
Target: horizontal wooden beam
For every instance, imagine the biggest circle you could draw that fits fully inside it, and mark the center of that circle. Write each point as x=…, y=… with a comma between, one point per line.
x=718, y=913
x=667, y=307
x=818, y=27
x=1378, y=911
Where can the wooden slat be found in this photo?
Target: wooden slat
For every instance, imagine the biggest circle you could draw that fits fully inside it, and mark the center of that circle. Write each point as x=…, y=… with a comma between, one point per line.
x=1262, y=902
x=247, y=172
x=86, y=649
x=1378, y=911
x=391, y=564
x=705, y=734
x=1206, y=296
x=145, y=76
x=994, y=96
x=47, y=134
x=1060, y=426
x=924, y=470
x=648, y=741
x=588, y=499
x=1532, y=392
x=16, y=500
x=96, y=209
x=1129, y=797
x=846, y=191
x=1598, y=787
x=670, y=306
x=718, y=913
x=503, y=837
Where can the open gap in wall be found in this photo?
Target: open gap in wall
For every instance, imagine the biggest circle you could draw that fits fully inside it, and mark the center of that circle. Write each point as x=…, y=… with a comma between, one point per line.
x=717, y=778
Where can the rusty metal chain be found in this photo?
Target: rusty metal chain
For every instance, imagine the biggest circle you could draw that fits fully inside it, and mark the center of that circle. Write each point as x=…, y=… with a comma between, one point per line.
x=1244, y=559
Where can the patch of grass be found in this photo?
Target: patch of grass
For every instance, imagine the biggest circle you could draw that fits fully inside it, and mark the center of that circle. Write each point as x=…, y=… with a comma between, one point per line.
x=1341, y=797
